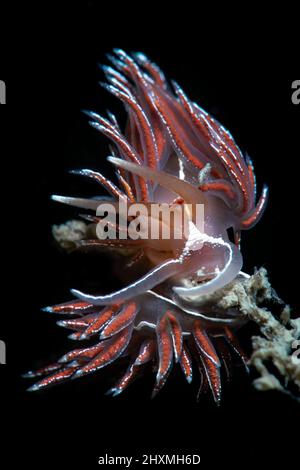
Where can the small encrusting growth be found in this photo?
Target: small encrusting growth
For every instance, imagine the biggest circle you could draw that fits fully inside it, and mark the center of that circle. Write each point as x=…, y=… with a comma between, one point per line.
x=276, y=345
x=67, y=235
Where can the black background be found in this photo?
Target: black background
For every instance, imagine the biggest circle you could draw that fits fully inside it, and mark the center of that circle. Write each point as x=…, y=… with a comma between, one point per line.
x=52, y=74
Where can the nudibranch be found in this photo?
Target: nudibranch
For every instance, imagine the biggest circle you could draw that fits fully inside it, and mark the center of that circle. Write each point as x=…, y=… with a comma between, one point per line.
x=175, y=153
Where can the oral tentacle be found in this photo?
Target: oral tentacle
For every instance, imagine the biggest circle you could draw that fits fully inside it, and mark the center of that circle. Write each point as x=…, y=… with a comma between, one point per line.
x=151, y=279
x=189, y=193
x=229, y=272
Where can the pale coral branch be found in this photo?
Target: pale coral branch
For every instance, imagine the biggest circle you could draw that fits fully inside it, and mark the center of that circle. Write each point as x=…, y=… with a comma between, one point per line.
x=276, y=345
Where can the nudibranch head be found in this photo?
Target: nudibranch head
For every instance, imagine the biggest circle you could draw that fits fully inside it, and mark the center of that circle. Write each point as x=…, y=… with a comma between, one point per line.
x=172, y=155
